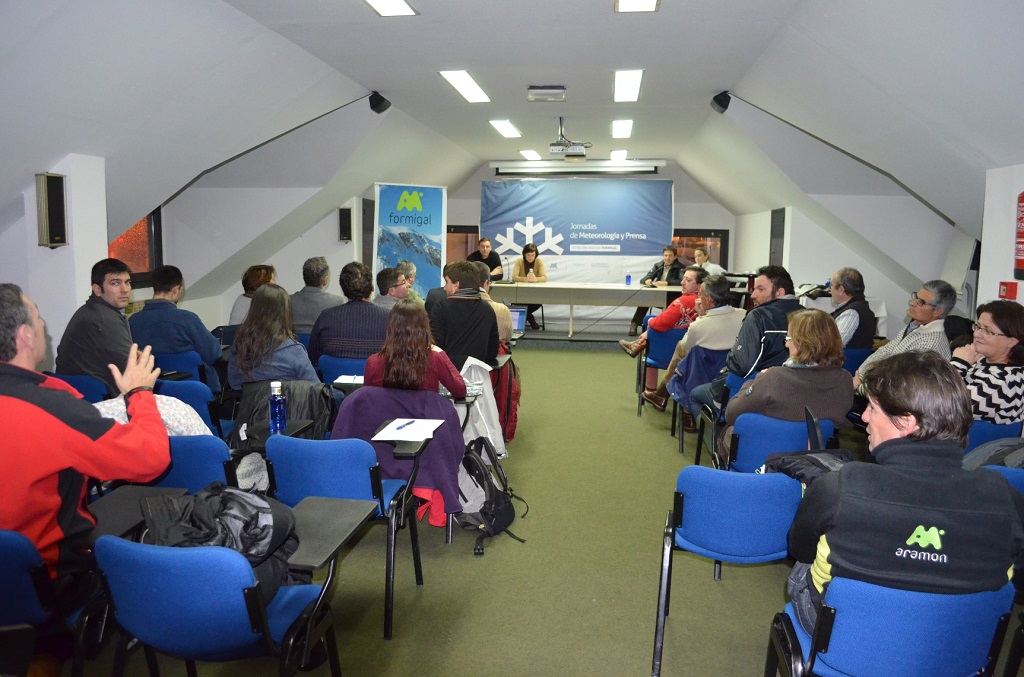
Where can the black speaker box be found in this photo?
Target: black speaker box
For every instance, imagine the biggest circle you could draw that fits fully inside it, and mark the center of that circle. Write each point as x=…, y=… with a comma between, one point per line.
x=345, y=224
x=53, y=222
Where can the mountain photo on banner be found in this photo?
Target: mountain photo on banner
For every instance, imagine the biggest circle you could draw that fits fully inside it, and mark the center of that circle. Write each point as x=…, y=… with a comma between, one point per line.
x=411, y=227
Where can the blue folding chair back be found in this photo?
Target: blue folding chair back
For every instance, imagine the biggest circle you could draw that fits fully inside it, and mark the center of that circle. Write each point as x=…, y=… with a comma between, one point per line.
x=854, y=357
x=331, y=468
x=20, y=566
x=197, y=460
x=727, y=517
x=757, y=436
x=982, y=432
x=346, y=468
x=1015, y=476
x=869, y=630
x=303, y=339
x=202, y=604
x=189, y=361
x=193, y=393
x=661, y=346
x=333, y=367
x=91, y=388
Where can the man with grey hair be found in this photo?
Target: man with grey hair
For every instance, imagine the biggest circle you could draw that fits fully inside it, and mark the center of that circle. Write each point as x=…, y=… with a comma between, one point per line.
x=856, y=321
x=715, y=329
x=54, y=441
x=311, y=300
x=927, y=311
x=408, y=268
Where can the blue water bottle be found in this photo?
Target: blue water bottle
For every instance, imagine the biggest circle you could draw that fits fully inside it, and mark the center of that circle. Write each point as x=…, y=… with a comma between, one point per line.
x=629, y=278
x=278, y=409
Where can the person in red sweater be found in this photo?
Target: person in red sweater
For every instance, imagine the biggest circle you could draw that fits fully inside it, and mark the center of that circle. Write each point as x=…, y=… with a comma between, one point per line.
x=679, y=314
x=54, y=441
x=409, y=359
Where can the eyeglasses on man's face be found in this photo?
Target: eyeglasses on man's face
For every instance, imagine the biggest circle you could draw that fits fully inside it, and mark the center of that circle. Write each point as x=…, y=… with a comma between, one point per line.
x=916, y=301
x=985, y=330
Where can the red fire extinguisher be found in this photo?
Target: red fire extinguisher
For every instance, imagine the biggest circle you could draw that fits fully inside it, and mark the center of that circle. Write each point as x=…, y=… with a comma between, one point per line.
x=1018, y=262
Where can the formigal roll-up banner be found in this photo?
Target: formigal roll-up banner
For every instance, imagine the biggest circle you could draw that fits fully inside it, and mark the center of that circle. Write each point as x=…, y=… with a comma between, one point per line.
x=411, y=223
x=586, y=230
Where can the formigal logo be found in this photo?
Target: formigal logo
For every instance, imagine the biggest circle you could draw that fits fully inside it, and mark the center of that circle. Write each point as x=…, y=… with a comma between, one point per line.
x=410, y=201
x=924, y=537
x=506, y=244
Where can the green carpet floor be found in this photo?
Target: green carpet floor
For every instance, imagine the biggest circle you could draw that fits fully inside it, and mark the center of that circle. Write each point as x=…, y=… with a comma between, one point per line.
x=579, y=597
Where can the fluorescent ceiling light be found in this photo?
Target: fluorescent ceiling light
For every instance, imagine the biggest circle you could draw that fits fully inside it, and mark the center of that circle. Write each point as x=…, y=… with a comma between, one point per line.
x=627, y=85
x=465, y=85
x=391, y=7
x=530, y=154
x=555, y=167
x=506, y=128
x=622, y=129
x=636, y=5
x=617, y=155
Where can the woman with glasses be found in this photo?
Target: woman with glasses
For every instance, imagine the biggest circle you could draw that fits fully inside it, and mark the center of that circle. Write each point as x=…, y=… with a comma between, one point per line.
x=813, y=376
x=993, y=366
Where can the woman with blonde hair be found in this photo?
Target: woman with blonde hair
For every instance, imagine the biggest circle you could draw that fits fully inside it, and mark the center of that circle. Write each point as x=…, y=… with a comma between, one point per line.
x=813, y=376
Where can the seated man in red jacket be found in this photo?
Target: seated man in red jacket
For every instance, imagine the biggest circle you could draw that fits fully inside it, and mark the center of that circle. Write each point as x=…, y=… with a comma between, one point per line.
x=680, y=313
x=54, y=441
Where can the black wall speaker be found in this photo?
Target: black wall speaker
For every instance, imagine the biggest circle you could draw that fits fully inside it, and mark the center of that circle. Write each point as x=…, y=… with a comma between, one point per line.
x=53, y=222
x=345, y=224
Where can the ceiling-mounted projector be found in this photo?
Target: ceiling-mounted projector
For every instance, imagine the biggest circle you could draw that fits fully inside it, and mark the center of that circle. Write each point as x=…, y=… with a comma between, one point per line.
x=573, y=151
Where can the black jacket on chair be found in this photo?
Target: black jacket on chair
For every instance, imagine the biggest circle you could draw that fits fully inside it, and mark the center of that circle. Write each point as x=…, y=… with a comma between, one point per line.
x=306, y=400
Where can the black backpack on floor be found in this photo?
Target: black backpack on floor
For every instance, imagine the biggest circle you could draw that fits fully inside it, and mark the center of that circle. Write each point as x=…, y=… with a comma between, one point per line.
x=486, y=496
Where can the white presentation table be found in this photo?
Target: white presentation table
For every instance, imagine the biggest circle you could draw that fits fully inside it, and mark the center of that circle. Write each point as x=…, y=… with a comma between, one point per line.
x=581, y=294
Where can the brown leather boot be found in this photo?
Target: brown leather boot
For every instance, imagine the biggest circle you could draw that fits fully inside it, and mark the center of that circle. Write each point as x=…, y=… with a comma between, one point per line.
x=632, y=348
x=656, y=400
x=689, y=425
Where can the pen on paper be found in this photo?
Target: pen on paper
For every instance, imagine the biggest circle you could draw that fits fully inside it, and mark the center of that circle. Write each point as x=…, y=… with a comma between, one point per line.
x=405, y=425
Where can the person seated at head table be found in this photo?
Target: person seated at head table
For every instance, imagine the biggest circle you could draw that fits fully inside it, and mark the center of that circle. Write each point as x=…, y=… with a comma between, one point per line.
x=252, y=279
x=993, y=365
x=666, y=273
x=530, y=268
x=813, y=376
x=409, y=359
x=265, y=348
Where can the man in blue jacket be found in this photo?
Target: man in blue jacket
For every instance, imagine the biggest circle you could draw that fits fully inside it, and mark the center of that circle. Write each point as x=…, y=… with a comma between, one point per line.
x=166, y=328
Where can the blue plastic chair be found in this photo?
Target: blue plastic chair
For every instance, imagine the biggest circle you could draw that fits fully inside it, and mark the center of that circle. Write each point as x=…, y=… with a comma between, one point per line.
x=197, y=460
x=193, y=393
x=854, y=358
x=865, y=629
x=661, y=346
x=331, y=368
x=1015, y=476
x=726, y=517
x=203, y=604
x=304, y=340
x=982, y=432
x=189, y=361
x=28, y=597
x=92, y=389
x=346, y=468
x=715, y=420
x=755, y=436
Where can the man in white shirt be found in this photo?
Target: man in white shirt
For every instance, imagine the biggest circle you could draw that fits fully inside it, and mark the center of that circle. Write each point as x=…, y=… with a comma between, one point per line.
x=856, y=321
x=715, y=329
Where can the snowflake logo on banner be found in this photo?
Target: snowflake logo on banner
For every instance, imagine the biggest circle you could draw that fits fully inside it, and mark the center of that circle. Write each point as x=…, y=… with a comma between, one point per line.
x=507, y=242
